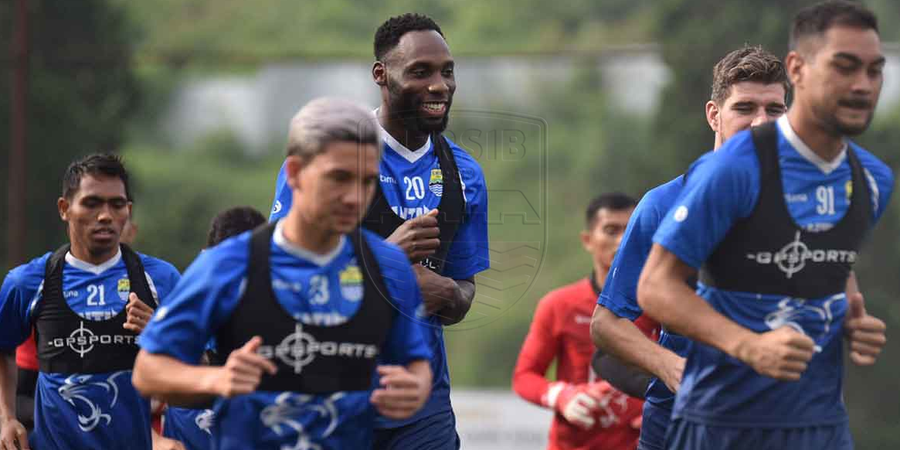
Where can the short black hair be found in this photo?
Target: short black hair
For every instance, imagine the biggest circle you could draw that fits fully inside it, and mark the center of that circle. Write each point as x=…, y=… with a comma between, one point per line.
x=614, y=201
x=232, y=222
x=389, y=33
x=96, y=164
x=815, y=20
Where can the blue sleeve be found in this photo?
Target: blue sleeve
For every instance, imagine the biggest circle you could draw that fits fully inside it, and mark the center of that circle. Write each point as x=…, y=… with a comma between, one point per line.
x=16, y=295
x=721, y=189
x=164, y=275
x=405, y=342
x=199, y=304
x=283, y=197
x=620, y=289
x=880, y=179
x=469, y=254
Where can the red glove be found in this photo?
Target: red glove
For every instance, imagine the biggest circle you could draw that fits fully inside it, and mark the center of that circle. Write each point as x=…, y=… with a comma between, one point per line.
x=573, y=402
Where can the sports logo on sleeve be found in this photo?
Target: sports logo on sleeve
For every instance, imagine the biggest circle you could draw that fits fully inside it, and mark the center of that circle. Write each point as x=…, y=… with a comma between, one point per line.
x=436, y=183
x=351, y=279
x=76, y=387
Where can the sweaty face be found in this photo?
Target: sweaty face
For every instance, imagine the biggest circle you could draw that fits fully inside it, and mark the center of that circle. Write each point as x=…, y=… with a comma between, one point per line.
x=420, y=81
x=749, y=104
x=602, y=241
x=96, y=215
x=841, y=78
x=337, y=186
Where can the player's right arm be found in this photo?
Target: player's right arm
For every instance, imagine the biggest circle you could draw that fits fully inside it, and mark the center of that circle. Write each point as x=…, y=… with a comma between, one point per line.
x=621, y=338
x=18, y=290
x=169, y=365
x=718, y=193
x=664, y=294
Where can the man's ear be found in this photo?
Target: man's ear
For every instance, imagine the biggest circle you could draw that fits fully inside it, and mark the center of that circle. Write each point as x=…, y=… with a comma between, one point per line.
x=379, y=73
x=712, y=115
x=794, y=63
x=293, y=165
x=63, y=206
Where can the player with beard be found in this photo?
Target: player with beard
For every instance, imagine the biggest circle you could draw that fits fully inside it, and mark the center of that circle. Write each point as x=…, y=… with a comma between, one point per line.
x=86, y=303
x=748, y=89
x=431, y=201
x=772, y=223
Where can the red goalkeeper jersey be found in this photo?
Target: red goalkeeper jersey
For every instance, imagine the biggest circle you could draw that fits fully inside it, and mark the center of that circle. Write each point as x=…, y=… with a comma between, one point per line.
x=561, y=331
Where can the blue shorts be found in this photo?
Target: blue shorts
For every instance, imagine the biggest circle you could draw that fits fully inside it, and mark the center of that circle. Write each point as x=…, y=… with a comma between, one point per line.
x=685, y=435
x=654, y=423
x=436, y=432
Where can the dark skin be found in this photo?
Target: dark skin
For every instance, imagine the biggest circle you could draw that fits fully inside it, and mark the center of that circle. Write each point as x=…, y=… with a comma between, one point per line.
x=417, y=85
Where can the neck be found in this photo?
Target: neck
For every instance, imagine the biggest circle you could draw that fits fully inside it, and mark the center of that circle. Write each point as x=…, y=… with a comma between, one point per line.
x=600, y=273
x=824, y=143
x=307, y=235
x=718, y=142
x=82, y=253
x=396, y=128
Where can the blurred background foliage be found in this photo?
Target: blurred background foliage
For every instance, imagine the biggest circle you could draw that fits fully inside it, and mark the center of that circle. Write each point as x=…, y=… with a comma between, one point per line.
x=104, y=73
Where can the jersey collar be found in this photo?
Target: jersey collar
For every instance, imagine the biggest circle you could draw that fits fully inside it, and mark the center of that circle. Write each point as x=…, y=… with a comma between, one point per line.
x=410, y=155
x=825, y=166
x=94, y=269
x=302, y=253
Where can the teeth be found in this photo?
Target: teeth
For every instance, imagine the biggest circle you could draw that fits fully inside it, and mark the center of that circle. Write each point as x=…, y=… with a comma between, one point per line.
x=434, y=106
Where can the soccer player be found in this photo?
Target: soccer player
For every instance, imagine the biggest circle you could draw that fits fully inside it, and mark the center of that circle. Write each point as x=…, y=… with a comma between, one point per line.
x=772, y=222
x=87, y=303
x=749, y=87
x=431, y=200
x=192, y=426
x=302, y=310
x=589, y=413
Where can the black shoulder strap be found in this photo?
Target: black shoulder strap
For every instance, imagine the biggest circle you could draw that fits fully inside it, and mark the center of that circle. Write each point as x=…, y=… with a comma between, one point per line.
x=53, y=270
x=137, y=276
x=765, y=140
x=258, y=272
x=451, y=212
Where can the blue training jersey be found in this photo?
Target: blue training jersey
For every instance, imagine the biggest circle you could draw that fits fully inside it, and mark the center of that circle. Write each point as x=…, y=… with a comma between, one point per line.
x=717, y=389
x=314, y=289
x=81, y=411
x=412, y=187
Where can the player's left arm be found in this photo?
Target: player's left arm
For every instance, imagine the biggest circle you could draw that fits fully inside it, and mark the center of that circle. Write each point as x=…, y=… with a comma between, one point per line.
x=445, y=297
x=866, y=333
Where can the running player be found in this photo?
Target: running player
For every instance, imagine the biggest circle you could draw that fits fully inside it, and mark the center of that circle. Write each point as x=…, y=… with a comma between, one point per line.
x=772, y=223
x=87, y=302
x=749, y=87
x=431, y=201
x=589, y=412
x=301, y=310
x=192, y=426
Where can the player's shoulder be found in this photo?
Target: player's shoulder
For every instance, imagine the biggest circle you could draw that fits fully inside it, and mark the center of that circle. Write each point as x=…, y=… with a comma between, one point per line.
x=156, y=265
x=662, y=196
x=735, y=159
x=468, y=166
x=28, y=275
x=876, y=167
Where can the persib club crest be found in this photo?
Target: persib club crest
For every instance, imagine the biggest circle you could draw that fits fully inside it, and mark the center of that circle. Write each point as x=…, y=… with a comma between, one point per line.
x=124, y=288
x=436, y=182
x=352, y=282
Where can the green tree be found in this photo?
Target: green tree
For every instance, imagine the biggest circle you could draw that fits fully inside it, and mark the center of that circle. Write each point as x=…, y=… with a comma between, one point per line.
x=81, y=92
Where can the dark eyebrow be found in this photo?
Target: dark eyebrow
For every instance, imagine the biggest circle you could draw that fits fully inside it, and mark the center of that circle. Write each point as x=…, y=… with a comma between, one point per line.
x=744, y=103
x=849, y=57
